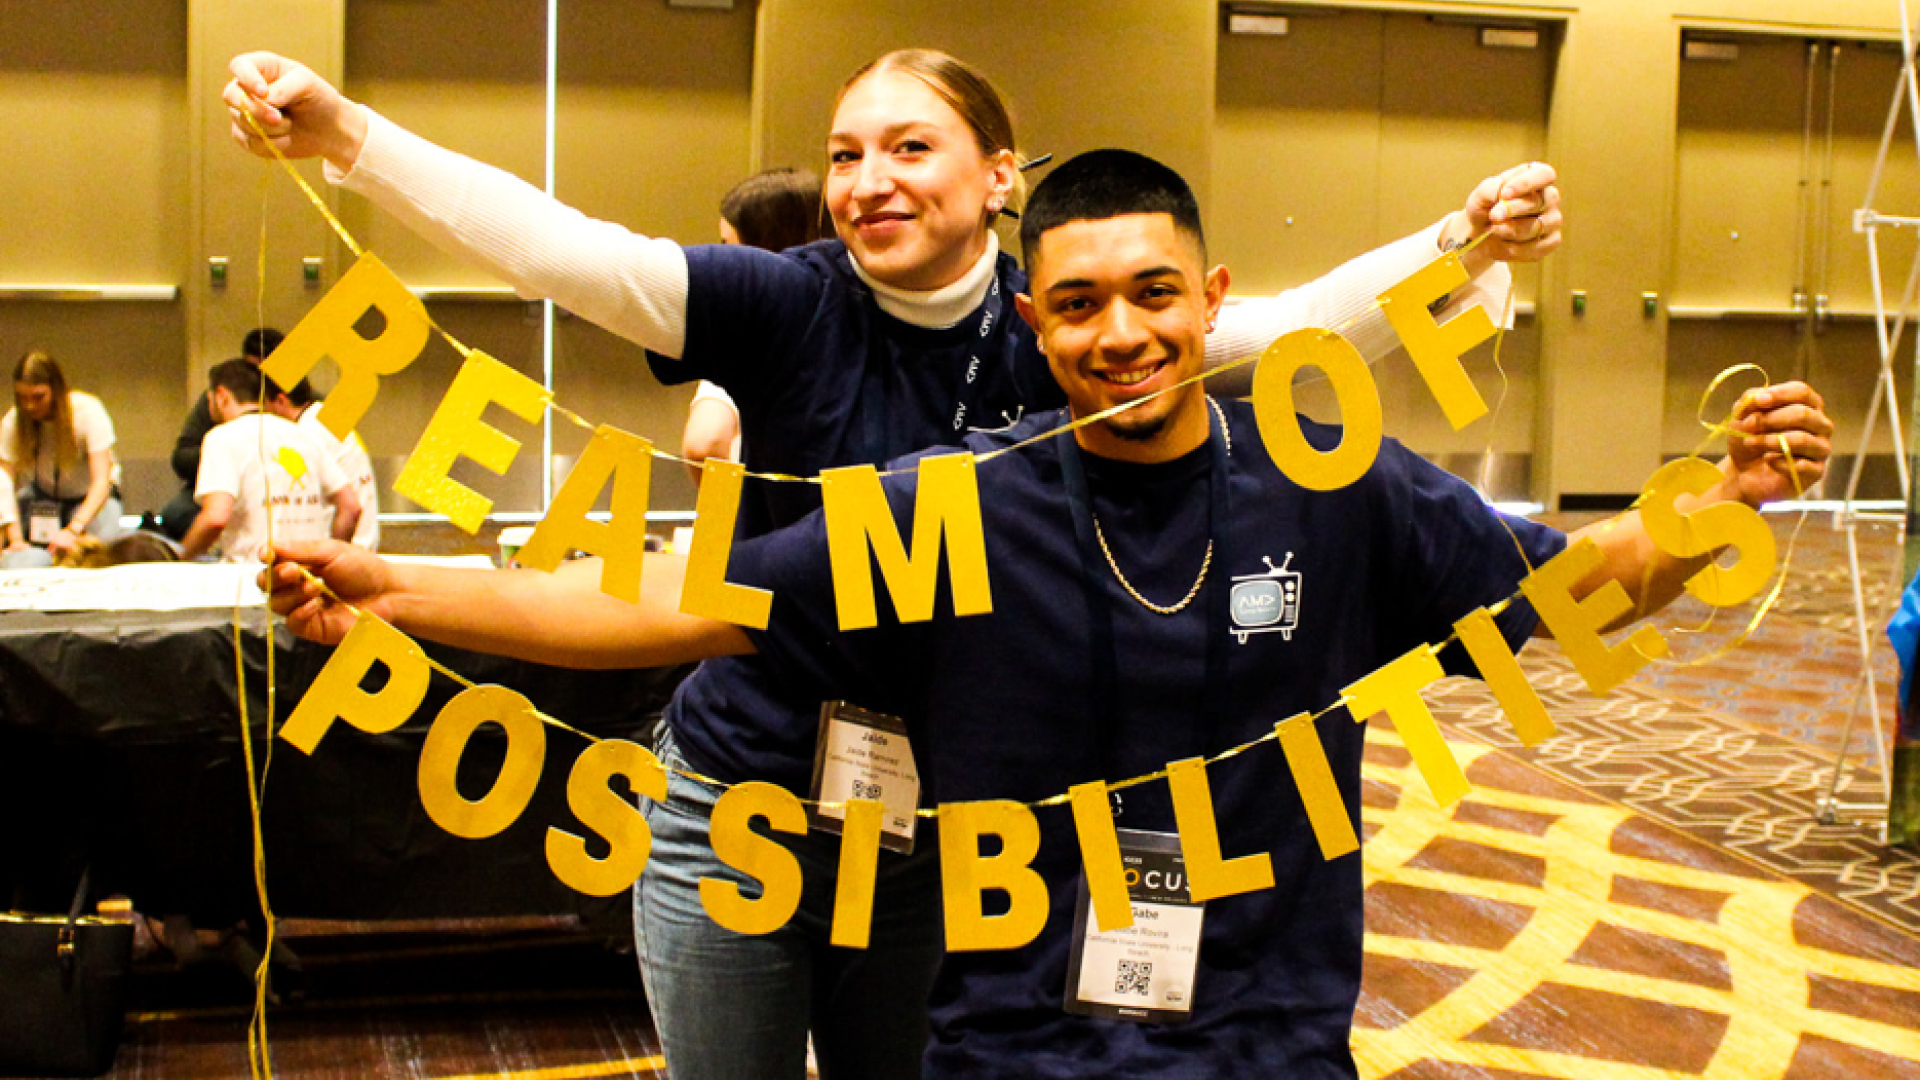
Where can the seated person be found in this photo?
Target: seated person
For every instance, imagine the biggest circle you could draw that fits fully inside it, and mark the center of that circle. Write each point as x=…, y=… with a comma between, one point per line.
x=56, y=453
x=261, y=477
x=181, y=509
x=300, y=406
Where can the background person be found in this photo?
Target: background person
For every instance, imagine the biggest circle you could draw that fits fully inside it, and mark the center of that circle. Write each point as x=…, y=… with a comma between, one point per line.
x=56, y=451
x=180, y=510
x=300, y=406
x=775, y=210
x=259, y=471
x=897, y=335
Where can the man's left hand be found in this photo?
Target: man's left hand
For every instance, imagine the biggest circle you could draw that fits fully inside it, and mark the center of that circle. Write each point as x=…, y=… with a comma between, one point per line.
x=1772, y=426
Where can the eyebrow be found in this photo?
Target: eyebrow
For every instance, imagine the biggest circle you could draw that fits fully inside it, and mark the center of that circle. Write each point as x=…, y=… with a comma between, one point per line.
x=891, y=131
x=1088, y=283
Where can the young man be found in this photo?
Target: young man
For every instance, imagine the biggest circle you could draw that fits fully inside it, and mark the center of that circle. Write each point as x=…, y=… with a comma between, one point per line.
x=300, y=406
x=1113, y=647
x=257, y=467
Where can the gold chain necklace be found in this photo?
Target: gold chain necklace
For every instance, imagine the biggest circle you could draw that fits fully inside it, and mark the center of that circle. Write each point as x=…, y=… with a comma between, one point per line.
x=1205, y=563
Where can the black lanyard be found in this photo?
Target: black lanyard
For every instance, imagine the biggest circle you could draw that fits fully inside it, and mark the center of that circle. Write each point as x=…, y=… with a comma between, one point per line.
x=882, y=442
x=1215, y=694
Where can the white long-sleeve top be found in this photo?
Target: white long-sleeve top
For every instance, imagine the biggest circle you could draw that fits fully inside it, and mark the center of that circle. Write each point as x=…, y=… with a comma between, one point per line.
x=636, y=286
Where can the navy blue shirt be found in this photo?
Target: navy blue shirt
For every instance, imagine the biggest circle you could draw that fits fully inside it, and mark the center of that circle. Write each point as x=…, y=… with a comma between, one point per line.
x=1005, y=706
x=823, y=378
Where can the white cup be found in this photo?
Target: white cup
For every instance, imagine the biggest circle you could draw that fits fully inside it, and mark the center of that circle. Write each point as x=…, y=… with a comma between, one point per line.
x=512, y=539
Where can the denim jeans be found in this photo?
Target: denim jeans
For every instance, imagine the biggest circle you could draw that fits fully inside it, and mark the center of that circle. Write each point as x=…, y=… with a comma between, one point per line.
x=737, y=1007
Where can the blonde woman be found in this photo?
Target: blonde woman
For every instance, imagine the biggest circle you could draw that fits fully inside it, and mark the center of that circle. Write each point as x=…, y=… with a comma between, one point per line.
x=56, y=449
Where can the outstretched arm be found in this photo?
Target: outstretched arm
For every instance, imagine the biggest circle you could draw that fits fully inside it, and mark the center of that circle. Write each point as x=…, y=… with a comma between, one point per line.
x=561, y=618
x=633, y=285
x=1519, y=208
x=1769, y=425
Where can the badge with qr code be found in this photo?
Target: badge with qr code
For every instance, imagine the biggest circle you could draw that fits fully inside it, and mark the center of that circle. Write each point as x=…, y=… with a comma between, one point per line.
x=865, y=755
x=1145, y=972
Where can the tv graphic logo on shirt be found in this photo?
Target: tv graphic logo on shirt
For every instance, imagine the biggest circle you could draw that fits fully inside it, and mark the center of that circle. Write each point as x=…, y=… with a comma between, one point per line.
x=1263, y=603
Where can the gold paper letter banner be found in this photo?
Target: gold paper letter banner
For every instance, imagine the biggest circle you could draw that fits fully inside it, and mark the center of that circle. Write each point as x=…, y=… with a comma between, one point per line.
x=1209, y=877
x=756, y=856
x=1436, y=349
x=336, y=693
x=1576, y=624
x=859, y=865
x=1395, y=690
x=948, y=502
x=609, y=814
x=328, y=330
x=1702, y=531
x=1100, y=855
x=1319, y=793
x=964, y=874
x=1279, y=422
x=621, y=541
x=456, y=430
x=1481, y=636
x=706, y=592
x=519, y=774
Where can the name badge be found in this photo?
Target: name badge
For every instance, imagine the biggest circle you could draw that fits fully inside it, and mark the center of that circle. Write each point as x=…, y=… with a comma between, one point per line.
x=865, y=755
x=1144, y=973
x=43, y=521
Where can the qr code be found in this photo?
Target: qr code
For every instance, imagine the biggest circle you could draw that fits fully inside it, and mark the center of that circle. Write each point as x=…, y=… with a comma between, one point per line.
x=1133, y=977
x=864, y=790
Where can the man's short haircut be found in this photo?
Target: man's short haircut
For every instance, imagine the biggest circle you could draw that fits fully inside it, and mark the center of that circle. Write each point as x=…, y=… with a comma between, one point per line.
x=243, y=379
x=1101, y=184
x=260, y=342
x=301, y=394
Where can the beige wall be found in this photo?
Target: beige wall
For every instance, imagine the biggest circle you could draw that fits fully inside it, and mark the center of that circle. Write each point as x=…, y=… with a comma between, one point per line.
x=1360, y=124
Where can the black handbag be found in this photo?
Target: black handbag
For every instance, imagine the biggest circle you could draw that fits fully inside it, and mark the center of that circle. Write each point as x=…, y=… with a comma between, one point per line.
x=62, y=991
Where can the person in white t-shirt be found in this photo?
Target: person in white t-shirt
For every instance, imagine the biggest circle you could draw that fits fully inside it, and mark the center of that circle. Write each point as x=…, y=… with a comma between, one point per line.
x=56, y=453
x=261, y=477
x=350, y=454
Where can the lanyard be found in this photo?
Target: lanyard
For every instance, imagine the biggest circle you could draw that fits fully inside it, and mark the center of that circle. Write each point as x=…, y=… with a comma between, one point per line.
x=882, y=441
x=1099, y=596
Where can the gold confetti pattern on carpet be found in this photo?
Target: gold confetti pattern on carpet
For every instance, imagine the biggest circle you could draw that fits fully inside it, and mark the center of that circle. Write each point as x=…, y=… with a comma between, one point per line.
x=1534, y=931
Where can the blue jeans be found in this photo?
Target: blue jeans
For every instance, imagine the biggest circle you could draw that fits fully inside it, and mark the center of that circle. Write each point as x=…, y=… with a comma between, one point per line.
x=736, y=1007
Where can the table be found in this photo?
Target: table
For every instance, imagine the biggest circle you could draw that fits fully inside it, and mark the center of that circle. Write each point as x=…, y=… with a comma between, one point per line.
x=120, y=743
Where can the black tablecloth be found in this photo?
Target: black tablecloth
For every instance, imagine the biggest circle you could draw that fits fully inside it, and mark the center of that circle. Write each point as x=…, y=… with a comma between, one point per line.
x=120, y=745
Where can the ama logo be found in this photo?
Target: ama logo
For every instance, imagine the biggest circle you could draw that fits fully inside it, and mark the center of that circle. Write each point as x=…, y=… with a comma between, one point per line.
x=1263, y=603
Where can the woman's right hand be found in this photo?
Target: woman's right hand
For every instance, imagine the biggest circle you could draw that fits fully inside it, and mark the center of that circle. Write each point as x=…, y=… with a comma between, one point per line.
x=301, y=113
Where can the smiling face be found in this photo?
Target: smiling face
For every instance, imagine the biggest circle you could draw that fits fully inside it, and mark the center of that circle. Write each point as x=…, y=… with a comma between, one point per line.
x=1121, y=306
x=36, y=401
x=908, y=186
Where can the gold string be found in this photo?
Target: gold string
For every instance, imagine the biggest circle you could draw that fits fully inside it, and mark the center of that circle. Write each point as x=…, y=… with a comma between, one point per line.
x=259, y=1056
x=258, y=1060
x=1071, y=426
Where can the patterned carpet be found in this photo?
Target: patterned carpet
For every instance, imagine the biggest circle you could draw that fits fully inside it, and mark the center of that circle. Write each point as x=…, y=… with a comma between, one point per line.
x=1651, y=892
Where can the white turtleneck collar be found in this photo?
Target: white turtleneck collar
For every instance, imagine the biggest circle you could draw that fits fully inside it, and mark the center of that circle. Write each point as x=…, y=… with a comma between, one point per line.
x=939, y=308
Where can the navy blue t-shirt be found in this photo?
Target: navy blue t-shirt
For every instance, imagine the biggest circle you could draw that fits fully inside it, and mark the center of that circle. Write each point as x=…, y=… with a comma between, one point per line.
x=1003, y=706
x=823, y=378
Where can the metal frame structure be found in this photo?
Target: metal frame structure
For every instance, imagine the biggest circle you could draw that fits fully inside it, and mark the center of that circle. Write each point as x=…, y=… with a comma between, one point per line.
x=1867, y=221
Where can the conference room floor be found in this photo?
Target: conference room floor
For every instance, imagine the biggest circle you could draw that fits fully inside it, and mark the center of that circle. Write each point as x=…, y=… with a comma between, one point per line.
x=1650, y=892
